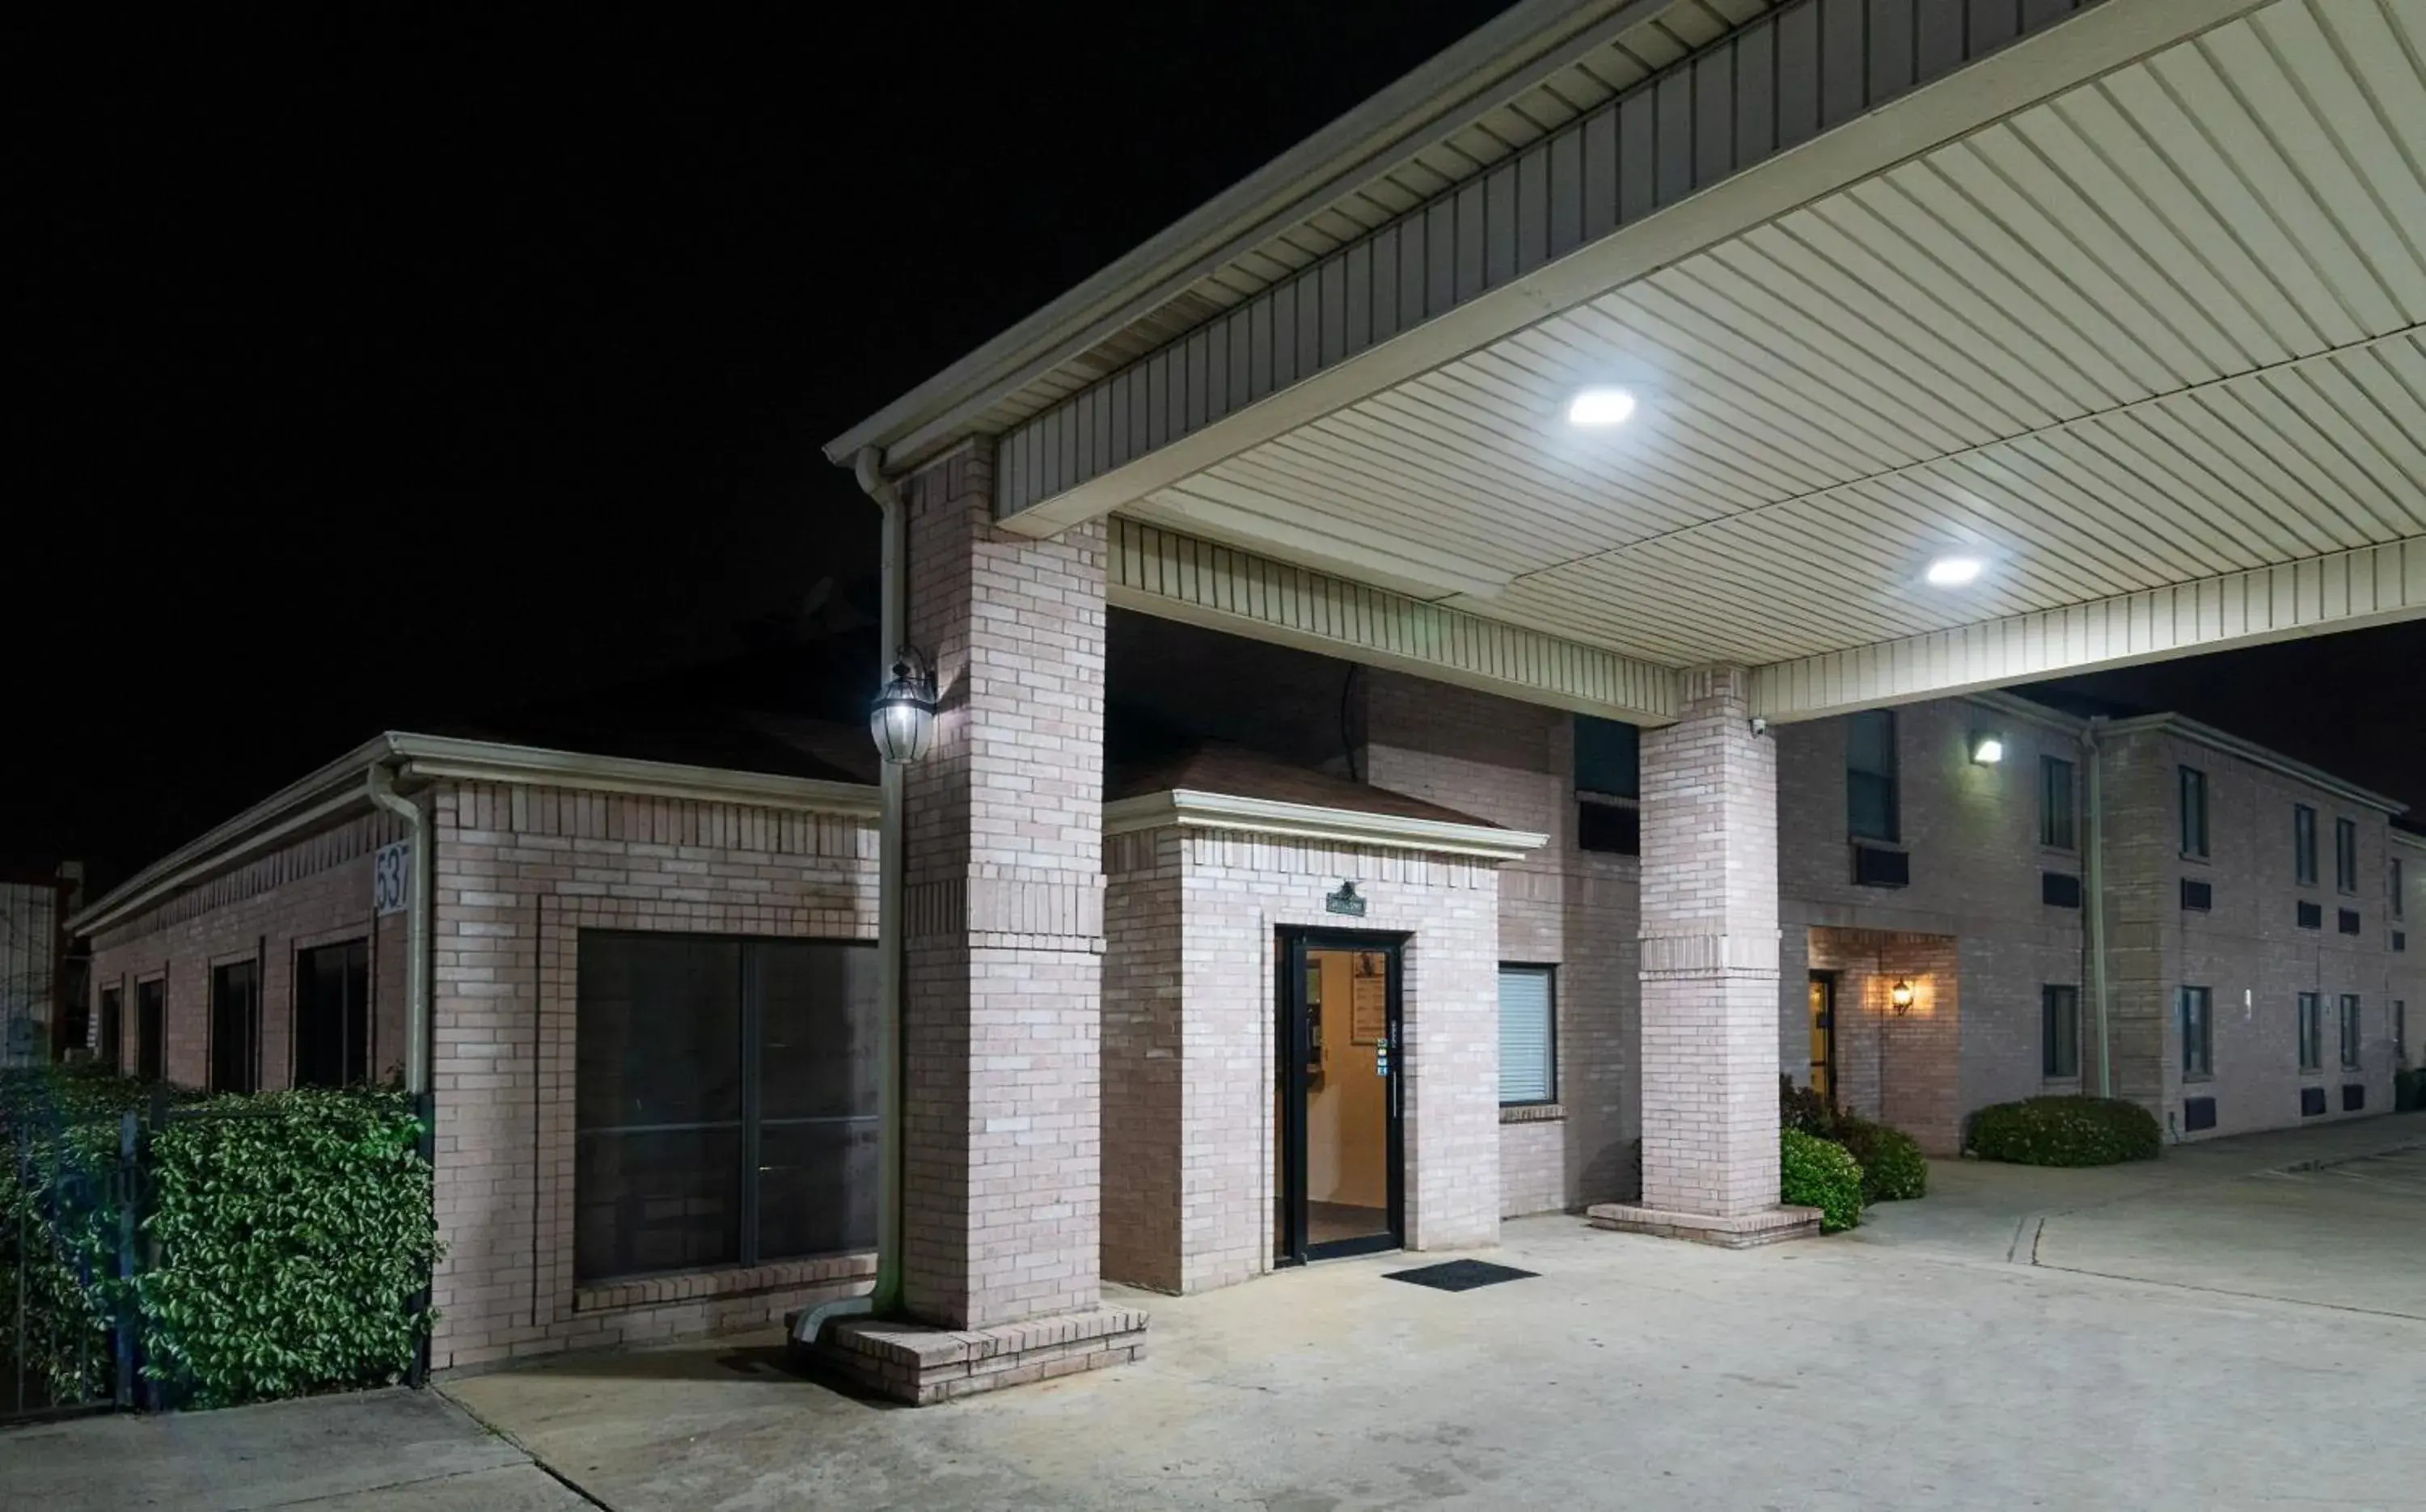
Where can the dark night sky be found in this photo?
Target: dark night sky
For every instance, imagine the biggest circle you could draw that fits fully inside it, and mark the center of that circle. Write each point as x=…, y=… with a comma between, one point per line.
x=393, y=364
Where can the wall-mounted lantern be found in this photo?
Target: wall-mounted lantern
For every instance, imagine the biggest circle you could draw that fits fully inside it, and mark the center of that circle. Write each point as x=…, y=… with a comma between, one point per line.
x=1899, y=997
x=903, y=716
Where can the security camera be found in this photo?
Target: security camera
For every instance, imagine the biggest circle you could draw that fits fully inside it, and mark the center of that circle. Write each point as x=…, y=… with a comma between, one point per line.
x=1759, y=725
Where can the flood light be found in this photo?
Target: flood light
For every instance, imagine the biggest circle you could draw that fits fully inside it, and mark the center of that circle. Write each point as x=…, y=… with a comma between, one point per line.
x=1595, y=409
x=1987, y=748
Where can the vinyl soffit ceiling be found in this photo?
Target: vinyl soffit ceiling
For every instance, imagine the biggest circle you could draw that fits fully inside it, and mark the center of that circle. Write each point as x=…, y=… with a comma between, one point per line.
x=2163, y=326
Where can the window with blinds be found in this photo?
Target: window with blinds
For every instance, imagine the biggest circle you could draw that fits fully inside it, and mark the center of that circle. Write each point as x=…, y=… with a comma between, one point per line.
x=1529, y=1034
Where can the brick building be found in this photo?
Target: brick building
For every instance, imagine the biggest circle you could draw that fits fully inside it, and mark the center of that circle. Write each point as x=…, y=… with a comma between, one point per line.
x=1679, y=413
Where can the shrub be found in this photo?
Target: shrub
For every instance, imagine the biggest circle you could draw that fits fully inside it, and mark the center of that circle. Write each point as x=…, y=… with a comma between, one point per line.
x=1892, y=1167
x=1819, y=1173
x=293, y=1229
x=1803, y=1108
x=2065, y=1131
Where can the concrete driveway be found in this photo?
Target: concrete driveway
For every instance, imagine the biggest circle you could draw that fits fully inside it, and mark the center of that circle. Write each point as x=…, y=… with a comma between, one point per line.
x=2239, y=1325
x=2188, y=1334
x=2333, y=1217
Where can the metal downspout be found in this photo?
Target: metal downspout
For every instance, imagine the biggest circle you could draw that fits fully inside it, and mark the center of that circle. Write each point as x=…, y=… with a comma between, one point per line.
x=894, y=620
x=416, y=928
x=885, y=1299
x=2095, y=933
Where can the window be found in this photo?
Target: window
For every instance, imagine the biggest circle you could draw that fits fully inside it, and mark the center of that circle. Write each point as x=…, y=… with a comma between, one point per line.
x=724, y=1101
x=151, y=1027
x=2303, y=845
x=1609, y=782
x=1870, y=799
x=2056, y=805
x=236, y=1027
x=2345, y=855
x=332, y=1015
x=113, y=1020
x=2194, y=813
x=2060, y=1031
x=1529, y=1036
x=2199, y=1031
x=2312, y=1032
x=2392, y=881
x=2351, y=1044
x=2400, y=1033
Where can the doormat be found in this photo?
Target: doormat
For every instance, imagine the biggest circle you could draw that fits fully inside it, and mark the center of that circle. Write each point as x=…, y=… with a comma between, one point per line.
x=1460, y=1275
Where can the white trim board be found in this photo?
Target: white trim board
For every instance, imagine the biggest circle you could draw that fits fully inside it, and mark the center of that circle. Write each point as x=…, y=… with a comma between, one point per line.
x=1191, y=810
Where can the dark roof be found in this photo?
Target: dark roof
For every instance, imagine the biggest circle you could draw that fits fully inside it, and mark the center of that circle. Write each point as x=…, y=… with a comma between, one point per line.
x=797, y=710
x=1237, y=772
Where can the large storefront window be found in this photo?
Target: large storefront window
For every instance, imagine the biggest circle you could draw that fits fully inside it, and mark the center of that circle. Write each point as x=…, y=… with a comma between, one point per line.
x=725, y=1111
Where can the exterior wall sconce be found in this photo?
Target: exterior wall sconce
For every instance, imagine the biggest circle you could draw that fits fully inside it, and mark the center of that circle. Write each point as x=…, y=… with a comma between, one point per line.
x=902, y=718
x=1987, y=748
x=1900, y=996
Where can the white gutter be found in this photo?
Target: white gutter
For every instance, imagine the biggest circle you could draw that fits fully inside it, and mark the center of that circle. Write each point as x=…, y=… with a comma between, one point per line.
x=892, y=567
x=339, y=786
x=1193, y=810
x=381, y=784
x=1506, y=55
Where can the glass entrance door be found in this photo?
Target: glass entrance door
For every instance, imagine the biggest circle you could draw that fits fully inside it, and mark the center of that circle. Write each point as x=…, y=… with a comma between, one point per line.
x=1339, y=1087
x=1824, y=1034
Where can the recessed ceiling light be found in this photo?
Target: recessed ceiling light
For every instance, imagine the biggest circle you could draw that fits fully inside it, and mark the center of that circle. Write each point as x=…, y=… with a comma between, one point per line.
x=1952, y=572
x=1596, y=408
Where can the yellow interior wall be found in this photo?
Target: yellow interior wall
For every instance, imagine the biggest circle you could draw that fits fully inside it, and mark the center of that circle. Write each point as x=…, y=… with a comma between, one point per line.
x=1346, y=1129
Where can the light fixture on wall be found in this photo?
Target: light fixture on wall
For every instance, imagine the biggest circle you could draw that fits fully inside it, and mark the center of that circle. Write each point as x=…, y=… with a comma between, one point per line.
x=1900, y=996
x=903, y=716
x=1987, y=748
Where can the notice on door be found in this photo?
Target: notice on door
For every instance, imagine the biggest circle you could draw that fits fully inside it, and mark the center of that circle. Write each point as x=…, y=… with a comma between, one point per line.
x=1370, y=1011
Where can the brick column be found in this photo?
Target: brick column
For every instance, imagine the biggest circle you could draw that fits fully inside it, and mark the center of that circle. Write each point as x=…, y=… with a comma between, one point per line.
x=1004, y=943
x=1709, y=974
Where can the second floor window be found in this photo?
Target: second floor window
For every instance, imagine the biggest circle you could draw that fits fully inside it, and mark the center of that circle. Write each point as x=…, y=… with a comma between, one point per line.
x=2194, y=813
x=2345, y=855
x=1609, y=786
x=1870, y=799
x=2055, y=806
x=2303, y=845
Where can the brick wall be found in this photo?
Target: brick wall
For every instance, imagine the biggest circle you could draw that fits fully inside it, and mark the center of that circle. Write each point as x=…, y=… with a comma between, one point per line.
x=314, y=891
x=1145, y=1067
x=1512, y=764
x=522, y=871
x=1971, y=833
x=1004, y=940
x=2249, y=951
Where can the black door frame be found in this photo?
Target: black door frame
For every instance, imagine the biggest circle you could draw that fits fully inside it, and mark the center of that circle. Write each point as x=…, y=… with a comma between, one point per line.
x=1292, y=1044
x=1826, y=981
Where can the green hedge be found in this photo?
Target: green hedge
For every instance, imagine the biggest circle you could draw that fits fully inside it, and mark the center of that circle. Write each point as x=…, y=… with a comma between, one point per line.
x=2065, y=1131
x=284, y=1238
x=1819, y=1173
x=1892, y=1167
x=294, y=1229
